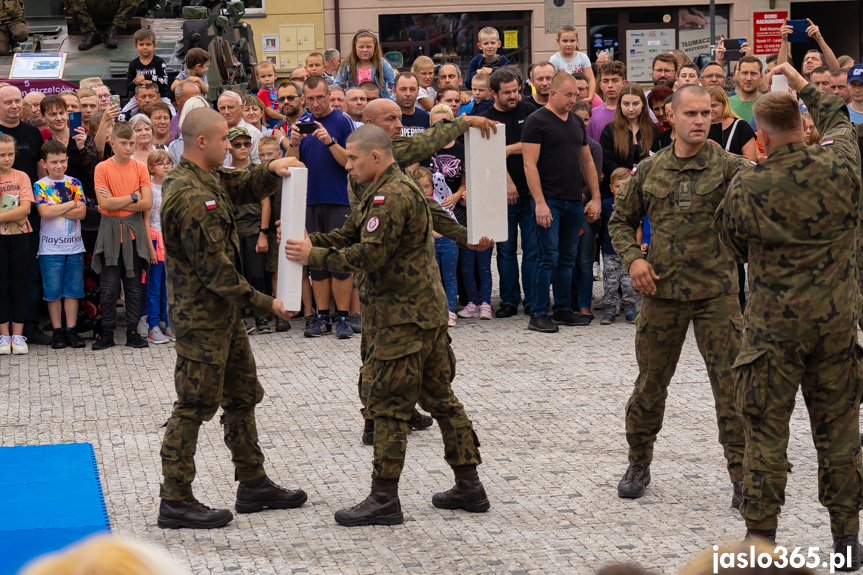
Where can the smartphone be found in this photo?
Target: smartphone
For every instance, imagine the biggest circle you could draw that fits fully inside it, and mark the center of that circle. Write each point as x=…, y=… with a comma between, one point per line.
x=799, y=34
x=74, y=121
x=307, y=127
x=115, y=100
x=732, y=48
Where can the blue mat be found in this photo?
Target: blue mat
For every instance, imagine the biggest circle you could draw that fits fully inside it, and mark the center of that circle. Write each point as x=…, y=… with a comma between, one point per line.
x=51, y=497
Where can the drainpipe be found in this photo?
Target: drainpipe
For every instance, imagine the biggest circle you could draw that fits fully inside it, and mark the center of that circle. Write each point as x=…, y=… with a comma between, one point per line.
x=338, y=27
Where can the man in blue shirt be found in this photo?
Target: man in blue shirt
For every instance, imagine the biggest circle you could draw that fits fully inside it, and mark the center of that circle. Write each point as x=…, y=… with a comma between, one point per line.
x=327, y=203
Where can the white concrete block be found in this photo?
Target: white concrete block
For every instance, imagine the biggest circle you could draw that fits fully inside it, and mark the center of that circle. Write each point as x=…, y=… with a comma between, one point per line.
x=293, y=216
x=485, y=171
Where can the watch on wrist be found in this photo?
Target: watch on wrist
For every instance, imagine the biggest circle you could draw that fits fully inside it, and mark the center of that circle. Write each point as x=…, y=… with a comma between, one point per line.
x=264, y=230
x=332, y=143
x=134, y=197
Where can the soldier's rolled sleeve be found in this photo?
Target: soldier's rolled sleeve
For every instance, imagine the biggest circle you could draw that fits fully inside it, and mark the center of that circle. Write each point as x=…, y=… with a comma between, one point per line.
x=408, y=151
x=624, y=222
x=204, y=245
x=249, y=186
x=443, y=224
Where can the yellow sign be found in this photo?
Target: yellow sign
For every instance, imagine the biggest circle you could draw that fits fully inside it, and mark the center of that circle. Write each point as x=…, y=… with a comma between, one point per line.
x=510, y=39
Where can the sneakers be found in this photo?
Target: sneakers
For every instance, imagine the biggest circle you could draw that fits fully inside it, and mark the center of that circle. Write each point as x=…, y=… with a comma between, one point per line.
x=105, y=341
x=250, y=325
x=542, y=324
x=343, y=328
x=19, y=345
x=485, y=311
x=74, y=340
x=505, y=310
x=318, y=326
x=282, y=325
x=143, y=326
x=135, y=340
x=263, y=325
x=356, y=323
x=596, y=274
x=169, y=333
x=634, y=481
x=58, y=339
x=36, y=336
x=470, y=310
x=156, y=336
x=569, y=317
x=607, y=318
x=5, y=345
x=452, y=322
x=630, y=316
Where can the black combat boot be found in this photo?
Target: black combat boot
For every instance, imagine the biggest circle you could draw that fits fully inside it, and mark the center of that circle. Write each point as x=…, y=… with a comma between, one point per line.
x=420, y=420
x=737, y=496
x=381, y=507
x=634, y=481
x=105, y=341
x=192, y=514
x=111, y=37
x=89, y=40
x=766, y=534
x=468, y=492
x=369, y=432
x=849, y=548
x=255, y=495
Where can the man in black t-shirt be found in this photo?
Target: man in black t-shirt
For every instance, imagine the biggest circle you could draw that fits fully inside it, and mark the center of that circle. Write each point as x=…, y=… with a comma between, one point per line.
x=406, y=89
x=509, y=111
x=28, y=142
x=557, y=164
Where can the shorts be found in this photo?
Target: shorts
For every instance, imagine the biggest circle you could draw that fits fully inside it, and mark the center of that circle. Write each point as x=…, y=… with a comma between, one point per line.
x=62, y=276
x=273, y=252
x=254, y=263
x=324, y=218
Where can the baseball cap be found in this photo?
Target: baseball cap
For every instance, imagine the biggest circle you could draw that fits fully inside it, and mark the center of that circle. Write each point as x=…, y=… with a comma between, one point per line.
x=855, y=74
x=237, y=131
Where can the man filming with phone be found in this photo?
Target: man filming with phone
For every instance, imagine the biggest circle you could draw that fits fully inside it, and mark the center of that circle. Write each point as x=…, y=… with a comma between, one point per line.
x=824, y=56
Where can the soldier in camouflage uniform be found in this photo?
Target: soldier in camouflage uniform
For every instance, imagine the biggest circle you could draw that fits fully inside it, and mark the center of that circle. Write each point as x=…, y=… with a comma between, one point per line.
x=686, y=278
x=206, y=294
x=12, y=25
x=388, y=237
x=794, y=218
x=77, y=9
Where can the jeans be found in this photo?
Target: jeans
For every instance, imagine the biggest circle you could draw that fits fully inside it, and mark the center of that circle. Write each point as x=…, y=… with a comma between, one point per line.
x=110, y=291
x=558, y=246
x=446, y=255
x=519, y=215
x=157, y=295
x=582, y=273
x=470, y=261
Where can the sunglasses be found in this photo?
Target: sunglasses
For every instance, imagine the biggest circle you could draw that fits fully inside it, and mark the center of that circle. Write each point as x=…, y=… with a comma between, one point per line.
x=287, y=98
x=241, y=144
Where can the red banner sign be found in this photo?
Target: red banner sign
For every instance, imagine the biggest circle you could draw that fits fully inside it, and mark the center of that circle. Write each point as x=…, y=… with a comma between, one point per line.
x=47, y=86
x=766, y=27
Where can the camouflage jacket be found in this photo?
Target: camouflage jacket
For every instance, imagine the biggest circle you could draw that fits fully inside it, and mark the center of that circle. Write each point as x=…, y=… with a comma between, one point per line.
x=409, y=151
x=11, y=11
x=681, y=198
x=794, y=218
x=388, y=237
x=206, y=287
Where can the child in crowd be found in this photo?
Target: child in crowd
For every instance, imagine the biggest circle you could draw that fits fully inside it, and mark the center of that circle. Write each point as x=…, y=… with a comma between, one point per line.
x=423, y=67
x=159, y=163
x=197, y=67
x=62, y=205
x=253, y=113
x=147, y=68
x=252, y=229
x=614, y=274
x=612, y=80
x=445, y=249
x=268, y=150
x=16, y=198
x=488, y=60
x=315, y=65
x=268, y=94
x=568, y=59
x=482, y=99
x=366, y=63
x=122, y=251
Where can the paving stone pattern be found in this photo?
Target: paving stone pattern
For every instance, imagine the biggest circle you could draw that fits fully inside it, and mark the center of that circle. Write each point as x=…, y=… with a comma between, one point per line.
x=548, y=409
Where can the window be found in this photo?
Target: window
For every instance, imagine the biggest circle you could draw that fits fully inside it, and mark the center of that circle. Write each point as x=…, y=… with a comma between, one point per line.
x=254, y=6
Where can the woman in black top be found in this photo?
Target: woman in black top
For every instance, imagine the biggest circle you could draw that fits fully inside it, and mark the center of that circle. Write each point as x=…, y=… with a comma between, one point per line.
x=727, y=129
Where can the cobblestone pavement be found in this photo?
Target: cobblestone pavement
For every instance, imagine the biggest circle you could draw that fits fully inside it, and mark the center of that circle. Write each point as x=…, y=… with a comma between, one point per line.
x=548, y=409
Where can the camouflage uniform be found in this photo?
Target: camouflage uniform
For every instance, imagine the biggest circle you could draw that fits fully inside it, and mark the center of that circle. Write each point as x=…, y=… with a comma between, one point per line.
x=206, y=295
x=409, y=151
x=77, y=9
x=698, y=284
x=407, y=358
x=614, y=277
x=12, y=25
x=794, y=218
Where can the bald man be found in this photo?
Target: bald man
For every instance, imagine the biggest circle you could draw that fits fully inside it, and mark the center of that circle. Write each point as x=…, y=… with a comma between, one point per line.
x=184, y=90
x=215, y=366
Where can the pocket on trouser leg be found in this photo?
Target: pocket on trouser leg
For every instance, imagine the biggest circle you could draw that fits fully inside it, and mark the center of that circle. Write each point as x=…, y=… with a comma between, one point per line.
x=760, y=512
x=391, y=443
x=461, y=444
x=751, y=373
x=178, y=457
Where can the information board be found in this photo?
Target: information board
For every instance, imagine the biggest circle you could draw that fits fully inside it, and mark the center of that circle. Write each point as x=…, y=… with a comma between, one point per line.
x=765, y=27
x=642, y=46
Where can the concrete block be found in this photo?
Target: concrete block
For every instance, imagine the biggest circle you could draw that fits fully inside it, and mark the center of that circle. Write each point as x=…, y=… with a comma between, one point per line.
x=293, y=216
x=485, y=172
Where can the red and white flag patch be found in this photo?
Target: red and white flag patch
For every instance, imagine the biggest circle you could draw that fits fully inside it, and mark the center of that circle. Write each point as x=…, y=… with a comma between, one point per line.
x=378, y=200
x=372, y=224
x=827, y=142
x=211, y=204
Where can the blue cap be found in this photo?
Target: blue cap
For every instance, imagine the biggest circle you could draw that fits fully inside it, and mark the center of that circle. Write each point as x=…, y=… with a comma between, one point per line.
x=855, y=74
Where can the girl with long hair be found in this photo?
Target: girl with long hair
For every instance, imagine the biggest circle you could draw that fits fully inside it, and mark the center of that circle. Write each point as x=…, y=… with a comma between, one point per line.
x=365, y=63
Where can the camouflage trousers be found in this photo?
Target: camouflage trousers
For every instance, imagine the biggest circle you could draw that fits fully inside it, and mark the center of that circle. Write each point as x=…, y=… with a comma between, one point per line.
x=768, y=374
x=614, y=278
x=660, y=332
x=77, y=9
x=407, y=365
x=213, y=370
x=16, y=31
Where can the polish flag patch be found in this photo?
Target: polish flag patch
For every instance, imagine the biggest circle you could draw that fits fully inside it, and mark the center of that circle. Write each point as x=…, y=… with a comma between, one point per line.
x=827, y=142
x=211, y=204
x=634, y=169
x=378, y=199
